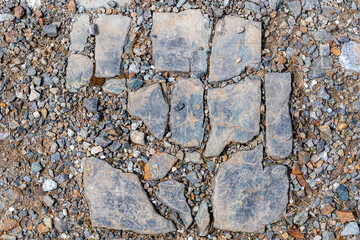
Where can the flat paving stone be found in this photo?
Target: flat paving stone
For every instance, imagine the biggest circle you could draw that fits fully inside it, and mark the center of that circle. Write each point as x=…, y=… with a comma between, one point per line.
x=158, y=166
x=113, y=31
x=114, y=86
x=234, y=114
x=203, y=219
x=350, y=56
x=150, y=104
x=236, y=45
x=171, y=193
x=246, y=196
x=118, y=201
x=278, y=119
x=80, y=32
x=91, y=4
x=187, y=113
x=79, y=71
x=177, y=47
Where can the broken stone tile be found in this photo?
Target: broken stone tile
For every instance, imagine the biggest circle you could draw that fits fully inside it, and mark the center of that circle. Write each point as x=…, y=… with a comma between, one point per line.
x=234, y=114
x=150, y=104
x=110, y=41
x=278, y=120
x=91, y=4
x=177, y=47
x=158, y=166
x=78, y=72
x=79, y=33
x=350, y=56
x=320, y=67
x=243, y=37
x=114, y=86
x=246, y=196
x=194, y=157
x=171, y=193
x=118, y=201
x=202, y=219
x=295, y=8
x=187, y=113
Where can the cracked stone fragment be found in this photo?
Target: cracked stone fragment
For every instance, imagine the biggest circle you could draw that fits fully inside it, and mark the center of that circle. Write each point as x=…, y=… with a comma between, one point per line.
x=110, y=41
x=234, y=114
x=246, y=196
x=178, y=47
x=278, y=120
x=171, y=193
x=149, y=104
x=79, y=33
x=350, y=56
x=91, y=4
x=118, y=201
x=236, y=45
x=203, y=219
x=187, y=113
x=78, y=71
x=158, y=166
x=114, y=86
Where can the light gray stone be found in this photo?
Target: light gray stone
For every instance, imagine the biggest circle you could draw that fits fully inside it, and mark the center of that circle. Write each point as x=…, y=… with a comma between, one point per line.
x=295, y=8
x=6, y=16
x=236, y=45
x=158, y=166
x=78, y=71
x=202, y=219
x=113, y=31
x=79, y=33
x=234, y=114
x=194, y=157
x=350, y=56
x=114, y=86
x=275, y=4
x=351, y=229
x=91, y=4
x=118, y=201
x=278, y=120
x=246, y=196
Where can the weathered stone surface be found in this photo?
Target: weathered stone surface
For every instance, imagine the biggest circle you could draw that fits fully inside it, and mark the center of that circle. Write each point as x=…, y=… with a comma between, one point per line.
x=295, y=8
x=158, y=166
x=236, y=45
x=110, y=41
x=246, y=196
x=78, y=72
x=178, y=47
x=350, y=56
x=91, y=4
x=171, y=193
x=278, y=120
x=194, y=157
x=320, y=66
x=150, y=104
x=114, y=86
x=202, y=219
x=187, y=113
x=79, y=33
x=118, y=201
x=234, y=114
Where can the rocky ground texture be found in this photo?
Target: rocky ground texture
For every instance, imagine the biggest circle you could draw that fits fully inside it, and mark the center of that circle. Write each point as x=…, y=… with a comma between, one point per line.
x=188, y=119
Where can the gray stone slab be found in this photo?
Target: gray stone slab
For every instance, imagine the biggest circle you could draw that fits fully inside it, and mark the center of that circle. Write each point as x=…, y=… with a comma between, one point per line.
x=158, y=166
x=150, y=104
x=350, y=56
x=234, y=114
x=80, y=32
x=118, y=201
x=247, y=197
x=177, y=47
x=91, y=4
x=278, y=120
x=187, y=113
x=114, y=86
x=202, y=219
x=236, y=45
x=113, y=31
x=171, y=193
x=79, y=71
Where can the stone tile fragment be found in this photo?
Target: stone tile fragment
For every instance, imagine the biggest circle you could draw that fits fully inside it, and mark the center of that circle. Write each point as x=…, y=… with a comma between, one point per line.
x=350, y=56
x=202, y=219
x=246, y=196
x=158, y=166
x=91, y=4
x=234, y=114
x=114, y=86
x=187, y=113
x=171, y=193
x=295, y=8
x=278, y=120
x=79, y=71
x=236, y=45
x=110, y=41
x=118, y=201
x=178, y=47
x=150, y=104
x=79, y=33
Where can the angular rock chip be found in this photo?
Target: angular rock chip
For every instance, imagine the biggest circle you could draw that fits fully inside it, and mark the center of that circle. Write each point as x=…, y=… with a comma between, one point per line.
x=171, y=193
x=178, y=47
x=118, y=201
x=350, y=56
x=79, y=33
x=187, y=113
x=158, y=166
x=110, y=41
x=246, y=196
x=203, y=219
x=114, y=86
x=234, y=114
x=91, y=4
x=150, y=104
x=236, y=45
x=278, y=120
x=78, y=71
